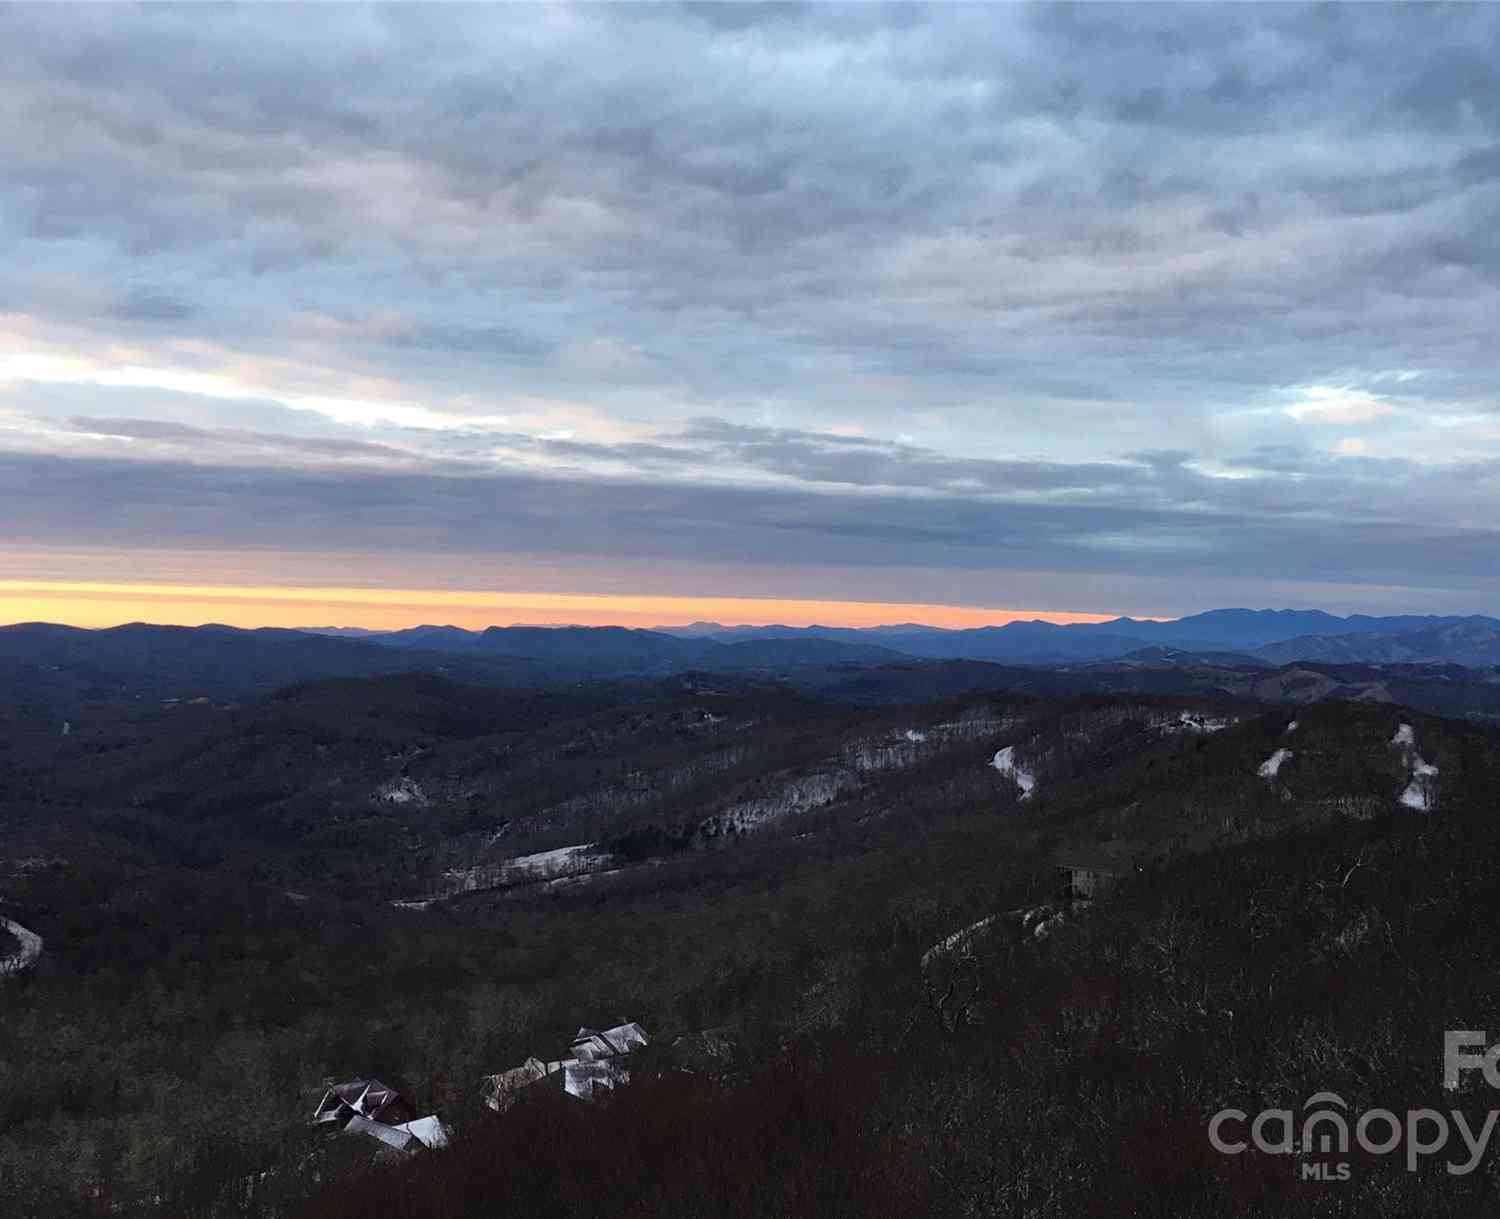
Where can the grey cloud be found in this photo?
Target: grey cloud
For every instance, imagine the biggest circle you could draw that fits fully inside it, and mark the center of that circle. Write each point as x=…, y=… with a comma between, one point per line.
x=123, y=504
x=812, y=457
x=748, y=15
x=1481, y=165
x=1005, y=231
x=153, y=307
x=137, y=429
x=209, y=443
x=491, y=340
x=1162, y=458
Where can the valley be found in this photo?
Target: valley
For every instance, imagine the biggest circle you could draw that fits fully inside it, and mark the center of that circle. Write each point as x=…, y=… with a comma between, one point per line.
x=414, y=878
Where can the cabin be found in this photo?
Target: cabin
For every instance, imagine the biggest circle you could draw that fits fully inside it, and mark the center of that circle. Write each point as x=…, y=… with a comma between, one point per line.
x=424, y=1132
x=363, y=1098
x=1087, y=875
x=591, y=1046
x=369, y=1107
x=595, y=1063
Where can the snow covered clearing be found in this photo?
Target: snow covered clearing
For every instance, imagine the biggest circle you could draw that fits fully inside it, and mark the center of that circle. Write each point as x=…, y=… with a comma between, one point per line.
x=1271, y=767
x=31, y=948
x=958, y=942
x=867, y=755
x=1194, y=721
x=526, y=869
x=898, y=750
x=795, y=796
x=1419, y=795
x=564, y=861
x=1045, y=929
x=580, y=878
x=895, y=752
x=974, y=726
x=1005, y=762
x=403, y=791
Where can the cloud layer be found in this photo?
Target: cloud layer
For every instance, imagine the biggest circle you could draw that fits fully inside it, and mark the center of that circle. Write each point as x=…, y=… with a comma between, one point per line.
x=1119, y=305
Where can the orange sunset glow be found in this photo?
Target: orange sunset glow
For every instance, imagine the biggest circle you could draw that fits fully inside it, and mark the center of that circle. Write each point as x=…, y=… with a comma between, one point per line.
x=97, y=604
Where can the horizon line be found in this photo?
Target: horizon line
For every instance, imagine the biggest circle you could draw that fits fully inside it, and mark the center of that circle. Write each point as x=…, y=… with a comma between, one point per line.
x=93, y=605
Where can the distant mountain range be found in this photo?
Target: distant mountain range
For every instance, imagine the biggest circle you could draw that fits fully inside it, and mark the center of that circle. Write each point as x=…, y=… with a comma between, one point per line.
x=1272, y=636
x=642, y=651
x=1224, y=630
x=142, y=659
x=1468, y=641
x=225, y=662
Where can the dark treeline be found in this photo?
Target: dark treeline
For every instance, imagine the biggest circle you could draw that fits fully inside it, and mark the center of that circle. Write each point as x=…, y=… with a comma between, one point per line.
x=1280, y=940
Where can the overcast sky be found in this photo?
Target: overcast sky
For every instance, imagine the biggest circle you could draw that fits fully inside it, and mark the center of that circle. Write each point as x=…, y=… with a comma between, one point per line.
x=1108, y=308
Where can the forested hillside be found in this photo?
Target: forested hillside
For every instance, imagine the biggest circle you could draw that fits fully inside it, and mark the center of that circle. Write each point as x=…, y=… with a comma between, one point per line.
x=359, y=878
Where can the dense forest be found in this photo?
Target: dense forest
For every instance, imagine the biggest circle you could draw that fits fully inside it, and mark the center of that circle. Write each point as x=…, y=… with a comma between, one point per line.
x=218, y=886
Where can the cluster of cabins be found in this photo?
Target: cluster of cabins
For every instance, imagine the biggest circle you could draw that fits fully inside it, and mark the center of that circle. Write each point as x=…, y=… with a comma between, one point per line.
x=596, y=1061
x=367, y=1106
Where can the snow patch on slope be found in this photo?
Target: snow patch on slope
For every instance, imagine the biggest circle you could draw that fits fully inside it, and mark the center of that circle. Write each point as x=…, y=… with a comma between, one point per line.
x=959, y=941
x=795, y=796
x=525, y=869
x=31, y=948
x=559, y=862
x=1005, y=762
x=1419, y=794
x=1272, y=765
x=1194, y=721
x=402, y=791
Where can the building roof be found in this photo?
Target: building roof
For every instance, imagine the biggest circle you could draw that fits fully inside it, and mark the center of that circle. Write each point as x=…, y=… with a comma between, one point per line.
x=583, y=1079
x=362, y=1097
x=590, y=1046
x=429, y=1131
x=1117, y=861
x=391, y=1136
x=590, y=1067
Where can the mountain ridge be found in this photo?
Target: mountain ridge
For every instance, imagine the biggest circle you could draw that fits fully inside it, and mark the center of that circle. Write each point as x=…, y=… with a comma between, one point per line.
x=229, y=661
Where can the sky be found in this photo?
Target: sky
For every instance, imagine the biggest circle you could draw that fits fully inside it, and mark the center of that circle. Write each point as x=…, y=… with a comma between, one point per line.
x=854, y=313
